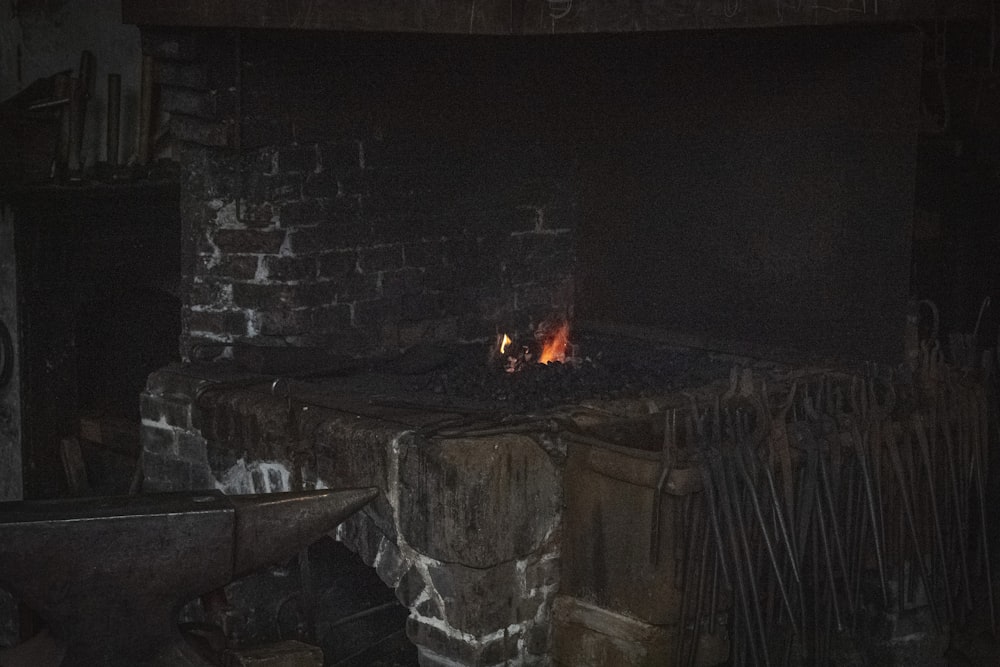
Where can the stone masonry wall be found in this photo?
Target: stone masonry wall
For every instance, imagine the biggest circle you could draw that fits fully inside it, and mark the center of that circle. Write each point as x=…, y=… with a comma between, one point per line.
x=466, y=531
x=361, y=193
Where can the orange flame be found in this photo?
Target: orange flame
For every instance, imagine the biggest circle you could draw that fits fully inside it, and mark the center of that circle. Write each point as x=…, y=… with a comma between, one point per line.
x=504, y=343
x=554, y=346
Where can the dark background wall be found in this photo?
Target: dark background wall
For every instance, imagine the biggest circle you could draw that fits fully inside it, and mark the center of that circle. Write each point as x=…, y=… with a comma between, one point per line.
x=754, y=191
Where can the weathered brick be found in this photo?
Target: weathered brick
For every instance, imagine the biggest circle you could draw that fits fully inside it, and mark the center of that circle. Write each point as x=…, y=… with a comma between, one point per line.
x=233, y=267
x=435, y=648
x=493, y=307
x=559, y=218
x=324, y=184
x=200, y=240
x=275, y=297
x=287, y=269
x=201, y=478
x=444, y=329
x=256, y=241
x=564, y=293
x=331, y=318
x=157, y=440
x=169, y=382
x=500, y=651
x=533, y=295
x=338, y=264
x=528, y=606
x=211, y=293
x=354, y=184
x=442, y=279
x=266, y=130
x=161, y=408
x=381, y=258
x=542, y=573
x=345, y=213
x=227, y=322
x=327, y=237
x=257, y=215
x=276, y=189
x=199, y=131
x=521, y=219
x=284, y=322
x=374, y=313
x=430, y=608
x=297, y=159
x=425, y=253
x=538, y=639
x=354, y=286
x=411, y=585
x=191, y=446
x=303, y=213
x=390, y=564
x=541, y=255
x=341, y=158
x=421, y=306
x=403, y=281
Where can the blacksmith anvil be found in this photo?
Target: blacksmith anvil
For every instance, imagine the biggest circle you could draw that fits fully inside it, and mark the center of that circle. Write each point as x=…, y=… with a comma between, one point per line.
x=109, y=575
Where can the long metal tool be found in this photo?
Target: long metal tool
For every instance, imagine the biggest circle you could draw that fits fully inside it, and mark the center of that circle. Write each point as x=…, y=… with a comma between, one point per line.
x=667, y=461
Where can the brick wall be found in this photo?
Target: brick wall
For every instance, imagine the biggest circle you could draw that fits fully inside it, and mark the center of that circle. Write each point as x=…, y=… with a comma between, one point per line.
x=362, y=193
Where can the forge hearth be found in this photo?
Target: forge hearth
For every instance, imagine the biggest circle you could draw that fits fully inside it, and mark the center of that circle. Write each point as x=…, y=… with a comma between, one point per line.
x=582, y=533
x=468, y=529
x=373, y=210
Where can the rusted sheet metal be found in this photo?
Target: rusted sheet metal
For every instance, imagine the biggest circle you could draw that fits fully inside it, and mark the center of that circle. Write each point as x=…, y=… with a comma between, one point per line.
x=511, y=17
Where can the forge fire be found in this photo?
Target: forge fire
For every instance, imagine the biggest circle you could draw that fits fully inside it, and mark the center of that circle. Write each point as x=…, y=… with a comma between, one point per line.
x=550, y=344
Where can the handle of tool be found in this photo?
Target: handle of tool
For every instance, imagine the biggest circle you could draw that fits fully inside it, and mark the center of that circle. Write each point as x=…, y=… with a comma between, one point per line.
x=77, y=115
x=114, y=117
x=62, y=90
x=143, y=142
x=81, y=94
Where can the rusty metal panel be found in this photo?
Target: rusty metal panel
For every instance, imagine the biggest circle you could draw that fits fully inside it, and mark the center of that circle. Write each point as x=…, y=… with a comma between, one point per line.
x=506, y=17
x=606, y=535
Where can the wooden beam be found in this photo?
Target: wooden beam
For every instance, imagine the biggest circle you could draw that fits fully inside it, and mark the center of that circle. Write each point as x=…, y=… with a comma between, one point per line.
x=538, y=17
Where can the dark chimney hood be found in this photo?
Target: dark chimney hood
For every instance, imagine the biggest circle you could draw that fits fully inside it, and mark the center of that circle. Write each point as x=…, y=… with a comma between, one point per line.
x=527, y=17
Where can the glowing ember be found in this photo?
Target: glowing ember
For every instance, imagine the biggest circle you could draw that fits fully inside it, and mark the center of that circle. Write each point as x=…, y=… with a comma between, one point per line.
x=554, y=345
x=551, y=344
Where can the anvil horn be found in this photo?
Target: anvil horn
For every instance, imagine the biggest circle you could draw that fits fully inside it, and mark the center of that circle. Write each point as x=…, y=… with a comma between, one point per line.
x=273, y=527
x=110, y=574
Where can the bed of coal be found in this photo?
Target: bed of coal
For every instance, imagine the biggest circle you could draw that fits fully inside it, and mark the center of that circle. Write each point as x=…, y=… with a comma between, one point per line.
x=600, y=368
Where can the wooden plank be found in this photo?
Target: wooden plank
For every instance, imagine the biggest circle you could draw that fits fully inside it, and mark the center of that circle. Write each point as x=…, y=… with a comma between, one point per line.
x=511, y=17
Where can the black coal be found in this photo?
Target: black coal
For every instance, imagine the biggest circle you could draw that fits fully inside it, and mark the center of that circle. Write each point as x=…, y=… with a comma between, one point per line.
x=600, y=369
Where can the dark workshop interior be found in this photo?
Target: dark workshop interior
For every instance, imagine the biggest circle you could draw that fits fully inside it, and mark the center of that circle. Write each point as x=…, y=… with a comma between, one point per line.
x=556, y=333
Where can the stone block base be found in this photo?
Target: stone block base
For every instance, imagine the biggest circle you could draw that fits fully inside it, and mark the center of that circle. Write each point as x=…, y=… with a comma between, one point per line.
x=590, y=636
x=288, y=653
